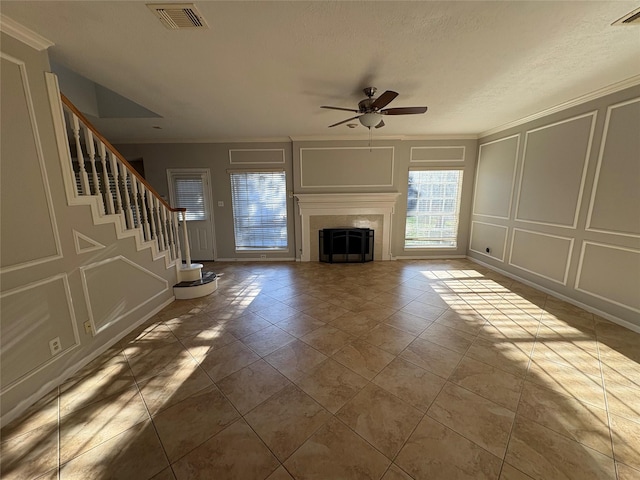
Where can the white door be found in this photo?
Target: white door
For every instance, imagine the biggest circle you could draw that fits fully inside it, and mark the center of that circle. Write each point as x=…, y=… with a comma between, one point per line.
x=190, y=188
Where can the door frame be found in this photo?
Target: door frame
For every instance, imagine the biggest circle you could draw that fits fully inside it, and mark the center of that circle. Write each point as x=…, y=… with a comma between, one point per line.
x=205, y=174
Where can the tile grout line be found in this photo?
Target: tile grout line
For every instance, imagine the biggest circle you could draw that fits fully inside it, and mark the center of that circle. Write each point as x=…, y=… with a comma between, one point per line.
x=146, y=407
x=524, y=379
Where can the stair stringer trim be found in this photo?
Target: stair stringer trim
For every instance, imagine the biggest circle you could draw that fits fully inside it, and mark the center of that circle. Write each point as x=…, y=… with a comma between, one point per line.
x=93, y=201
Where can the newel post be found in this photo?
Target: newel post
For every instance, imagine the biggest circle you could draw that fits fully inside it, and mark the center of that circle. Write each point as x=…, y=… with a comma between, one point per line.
x=187, y=248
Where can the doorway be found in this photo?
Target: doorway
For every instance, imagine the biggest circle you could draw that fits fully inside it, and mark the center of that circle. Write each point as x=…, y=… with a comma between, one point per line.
x=190, y=188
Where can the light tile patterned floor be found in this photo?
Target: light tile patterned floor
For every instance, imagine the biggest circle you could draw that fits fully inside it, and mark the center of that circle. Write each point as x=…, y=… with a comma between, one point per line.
x=392, y=370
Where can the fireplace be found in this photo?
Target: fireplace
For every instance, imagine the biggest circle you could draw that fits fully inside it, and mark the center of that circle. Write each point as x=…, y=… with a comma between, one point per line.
x=346, y=245
x=355, y=210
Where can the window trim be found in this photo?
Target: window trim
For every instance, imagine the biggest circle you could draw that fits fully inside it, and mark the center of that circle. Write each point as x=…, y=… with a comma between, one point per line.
x=459, y=207
x=284, y=249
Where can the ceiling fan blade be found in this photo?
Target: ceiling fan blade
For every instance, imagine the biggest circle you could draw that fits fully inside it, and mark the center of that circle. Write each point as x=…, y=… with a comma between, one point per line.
x=344, y=121
x=381, y=124
x=340, y=108
x=384, y=100
x=403, y=110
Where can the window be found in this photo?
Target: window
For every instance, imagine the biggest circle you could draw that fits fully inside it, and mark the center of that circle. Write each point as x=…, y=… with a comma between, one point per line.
x=433, y=206
x=259, y=210
x=189, y=192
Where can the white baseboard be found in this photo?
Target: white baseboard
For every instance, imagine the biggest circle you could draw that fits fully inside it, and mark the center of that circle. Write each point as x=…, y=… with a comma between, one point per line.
x=623, y=323
x=427, y=257
x=252, y=259
x=60, y=379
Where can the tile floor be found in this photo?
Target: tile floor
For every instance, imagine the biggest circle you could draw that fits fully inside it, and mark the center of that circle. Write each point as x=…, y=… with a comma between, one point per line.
x=392, y=370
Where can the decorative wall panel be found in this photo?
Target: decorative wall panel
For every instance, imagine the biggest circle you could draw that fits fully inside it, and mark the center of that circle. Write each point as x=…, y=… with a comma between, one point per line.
x=487, y=235
x=553, y=171
x=495, y=177
x=116, y=287
x=437, y=154
x=332, y=167
x=615, y=200
x=30, y=316
x=545, y=255
x=256, y=156
x=610, y=273
x=29, y=233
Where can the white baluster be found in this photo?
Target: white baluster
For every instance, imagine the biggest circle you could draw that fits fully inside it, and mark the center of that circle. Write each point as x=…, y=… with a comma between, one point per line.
x=84, y=178
x=152, y=215
x=116, y=180
x=160, y=208
x=135, y=201
x=66, y=114
x=106, y=184
x=91, y=150
x=128, y=194
x=176, y=236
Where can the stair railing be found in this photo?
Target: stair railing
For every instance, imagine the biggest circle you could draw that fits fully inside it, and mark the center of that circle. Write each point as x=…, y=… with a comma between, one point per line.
x=101, y=171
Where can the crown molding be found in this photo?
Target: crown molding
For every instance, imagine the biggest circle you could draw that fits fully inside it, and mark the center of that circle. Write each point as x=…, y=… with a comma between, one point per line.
x=205, y=140
x=613, y=88
x=365, y=137
x=23, y=34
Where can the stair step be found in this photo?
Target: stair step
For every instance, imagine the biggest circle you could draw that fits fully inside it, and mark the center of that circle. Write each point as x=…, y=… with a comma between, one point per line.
x=207, y=277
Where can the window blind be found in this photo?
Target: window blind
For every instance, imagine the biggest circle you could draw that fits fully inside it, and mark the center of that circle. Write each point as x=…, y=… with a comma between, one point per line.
x=259, y=210
x=189, y=194
x=433, y=206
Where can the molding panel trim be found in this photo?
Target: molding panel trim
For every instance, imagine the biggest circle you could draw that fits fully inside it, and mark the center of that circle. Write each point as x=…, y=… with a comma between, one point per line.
x=36, y=249
x=495, y=179
x=556, y=173
x=547, y=256
x=454, y=153
x=354, y=167
x=488, y=235
x=615, y=196
x=116, y=287
x=252, y=156
x=85, y=244
x=610, y=273
x=28, y=324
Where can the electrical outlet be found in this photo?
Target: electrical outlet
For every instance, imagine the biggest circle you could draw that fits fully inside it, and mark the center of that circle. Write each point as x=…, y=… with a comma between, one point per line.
x=87, y=327
x=220, y=204
x=264, y=257
x=55, y=346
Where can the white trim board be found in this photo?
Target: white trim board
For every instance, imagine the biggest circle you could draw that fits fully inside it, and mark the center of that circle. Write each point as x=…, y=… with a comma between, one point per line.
x=597, y=174
x=593, y=114
x=72, y=317
x=43, y=172
x=513, y=179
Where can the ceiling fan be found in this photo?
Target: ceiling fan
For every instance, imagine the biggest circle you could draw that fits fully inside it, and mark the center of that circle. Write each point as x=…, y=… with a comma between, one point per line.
x=371, y=109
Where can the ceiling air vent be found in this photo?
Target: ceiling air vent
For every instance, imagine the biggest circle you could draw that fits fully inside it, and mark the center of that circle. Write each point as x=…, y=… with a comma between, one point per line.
x=631, y=18
x=176, y=16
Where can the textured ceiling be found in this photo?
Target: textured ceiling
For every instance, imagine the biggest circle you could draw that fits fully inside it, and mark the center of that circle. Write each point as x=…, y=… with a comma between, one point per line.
x=263, y=68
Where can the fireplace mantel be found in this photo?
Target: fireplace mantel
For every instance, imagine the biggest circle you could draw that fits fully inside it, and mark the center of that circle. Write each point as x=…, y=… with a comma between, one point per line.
x=311, y=204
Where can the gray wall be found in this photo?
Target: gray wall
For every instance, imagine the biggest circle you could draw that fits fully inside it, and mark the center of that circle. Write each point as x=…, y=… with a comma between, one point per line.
x=316, y=167
x=351, y=167
x=557, y=202
x=57, y=269
x=219, y=158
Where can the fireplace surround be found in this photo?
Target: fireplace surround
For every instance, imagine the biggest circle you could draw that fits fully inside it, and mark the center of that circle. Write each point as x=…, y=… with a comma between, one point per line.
x=363, y=210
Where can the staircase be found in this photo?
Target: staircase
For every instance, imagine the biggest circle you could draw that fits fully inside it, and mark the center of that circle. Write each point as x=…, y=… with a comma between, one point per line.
x=99, y=176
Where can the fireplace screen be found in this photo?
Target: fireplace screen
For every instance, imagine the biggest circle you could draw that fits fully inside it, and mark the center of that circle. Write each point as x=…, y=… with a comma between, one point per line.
x=340, y=245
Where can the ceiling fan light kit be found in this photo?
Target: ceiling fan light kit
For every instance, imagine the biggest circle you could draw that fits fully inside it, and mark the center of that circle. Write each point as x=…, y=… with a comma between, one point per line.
x=371, y=109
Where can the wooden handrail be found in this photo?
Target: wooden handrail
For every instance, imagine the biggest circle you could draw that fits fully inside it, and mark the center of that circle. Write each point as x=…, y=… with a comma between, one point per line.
x=112, y=149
